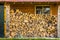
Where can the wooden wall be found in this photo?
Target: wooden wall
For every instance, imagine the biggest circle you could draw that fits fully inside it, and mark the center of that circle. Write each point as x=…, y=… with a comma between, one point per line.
x=26, y=8
x=30, y=8
x=54, y=9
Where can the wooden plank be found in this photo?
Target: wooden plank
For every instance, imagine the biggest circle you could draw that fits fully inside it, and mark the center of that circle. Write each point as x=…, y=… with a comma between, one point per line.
x=30, y=0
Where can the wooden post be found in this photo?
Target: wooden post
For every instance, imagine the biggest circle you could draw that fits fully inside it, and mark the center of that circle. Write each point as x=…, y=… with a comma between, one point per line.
x=6, y=17
x=58, y=21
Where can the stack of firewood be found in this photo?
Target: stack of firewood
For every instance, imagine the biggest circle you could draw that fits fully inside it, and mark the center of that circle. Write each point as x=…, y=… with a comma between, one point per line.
x=32, y=25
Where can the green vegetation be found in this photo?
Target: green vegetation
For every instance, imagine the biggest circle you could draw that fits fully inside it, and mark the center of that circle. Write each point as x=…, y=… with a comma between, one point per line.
x=30, y=39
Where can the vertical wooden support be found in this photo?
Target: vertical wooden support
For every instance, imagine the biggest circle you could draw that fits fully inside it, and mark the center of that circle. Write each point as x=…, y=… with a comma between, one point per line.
x=58, y=21
x=6, y=17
